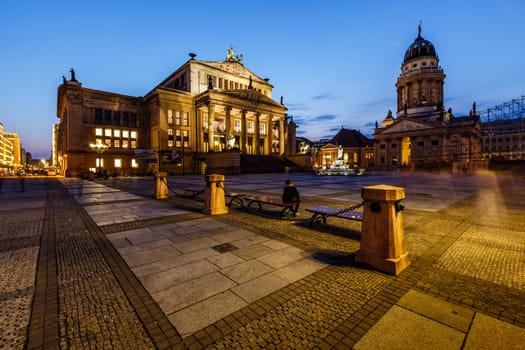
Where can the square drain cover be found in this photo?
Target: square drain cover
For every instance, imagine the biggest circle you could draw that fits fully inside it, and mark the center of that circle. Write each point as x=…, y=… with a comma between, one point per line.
x=223, y=248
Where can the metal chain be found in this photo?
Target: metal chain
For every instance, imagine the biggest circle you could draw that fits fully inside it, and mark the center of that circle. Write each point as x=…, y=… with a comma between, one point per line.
x=352, y=208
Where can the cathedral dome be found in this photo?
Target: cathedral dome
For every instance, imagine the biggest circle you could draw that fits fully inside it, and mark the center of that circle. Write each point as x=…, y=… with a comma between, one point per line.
x=420, y=48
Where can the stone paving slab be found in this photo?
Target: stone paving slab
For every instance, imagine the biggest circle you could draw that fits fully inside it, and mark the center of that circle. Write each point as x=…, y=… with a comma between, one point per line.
x=488, y=333
x=212, y=310
x=401, y=329
x=450, y=315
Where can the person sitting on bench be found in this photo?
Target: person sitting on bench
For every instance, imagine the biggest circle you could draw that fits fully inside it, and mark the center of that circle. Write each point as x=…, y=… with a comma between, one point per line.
x=291, y=195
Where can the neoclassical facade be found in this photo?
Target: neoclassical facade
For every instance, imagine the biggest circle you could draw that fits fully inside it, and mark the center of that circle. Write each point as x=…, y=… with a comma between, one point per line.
x=423, y=134
x=204, y=107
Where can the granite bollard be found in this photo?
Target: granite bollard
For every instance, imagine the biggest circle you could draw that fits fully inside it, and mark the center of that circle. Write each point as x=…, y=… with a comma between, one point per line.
x=161, y=185
x=214, y=202
x=382, y=234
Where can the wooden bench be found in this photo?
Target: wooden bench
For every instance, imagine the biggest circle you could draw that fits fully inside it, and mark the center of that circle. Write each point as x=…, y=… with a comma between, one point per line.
x=260, y=200
x=321, y=212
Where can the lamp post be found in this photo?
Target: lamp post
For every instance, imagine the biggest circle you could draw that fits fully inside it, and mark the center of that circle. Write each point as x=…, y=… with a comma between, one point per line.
x=99, y=148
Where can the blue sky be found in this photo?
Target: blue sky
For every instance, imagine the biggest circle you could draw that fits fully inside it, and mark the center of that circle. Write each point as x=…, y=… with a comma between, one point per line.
x=335, y=62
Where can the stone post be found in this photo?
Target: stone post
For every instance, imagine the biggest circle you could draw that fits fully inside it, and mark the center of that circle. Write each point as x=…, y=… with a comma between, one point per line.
x=214, y=202
x=161, y=185
x=382, y=235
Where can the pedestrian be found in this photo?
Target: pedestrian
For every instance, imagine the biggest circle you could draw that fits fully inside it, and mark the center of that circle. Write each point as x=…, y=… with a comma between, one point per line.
x=291, y=195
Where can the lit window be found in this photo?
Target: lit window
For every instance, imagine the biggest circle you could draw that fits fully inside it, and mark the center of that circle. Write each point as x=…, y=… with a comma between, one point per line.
x=177, y=138
x=125, y=133
x=250, y=126
x=170, y=116
x=186, y=138
x=205, y=122
x=98, y=132
x=125, y=143
x=170, y=143
x=262, y=129
x=107, y=132
x=116, y=133
x=177, y=117
x=133, y=134
x=185, y=118
x=133, y=144
x=237, y=125
x=118, y=163
x=134, y=163
x=116, y=143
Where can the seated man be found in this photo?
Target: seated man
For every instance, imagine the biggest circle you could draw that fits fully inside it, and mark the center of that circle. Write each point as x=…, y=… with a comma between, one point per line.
x=290, y=194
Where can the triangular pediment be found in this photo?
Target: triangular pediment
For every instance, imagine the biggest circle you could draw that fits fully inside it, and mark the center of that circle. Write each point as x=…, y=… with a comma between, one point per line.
x=250, y=95
x=405, y=125
x=234, y=68
x=329, y=146
x=233, y=97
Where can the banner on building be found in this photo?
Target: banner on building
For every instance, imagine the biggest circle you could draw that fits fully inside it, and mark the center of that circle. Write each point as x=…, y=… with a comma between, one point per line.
x=170, y=157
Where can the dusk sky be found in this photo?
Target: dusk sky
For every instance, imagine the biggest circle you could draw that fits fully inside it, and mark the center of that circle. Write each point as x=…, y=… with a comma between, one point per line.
x=334, y=62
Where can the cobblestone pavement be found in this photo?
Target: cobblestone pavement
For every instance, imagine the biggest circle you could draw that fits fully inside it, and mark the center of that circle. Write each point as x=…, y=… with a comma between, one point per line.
x=64, y=285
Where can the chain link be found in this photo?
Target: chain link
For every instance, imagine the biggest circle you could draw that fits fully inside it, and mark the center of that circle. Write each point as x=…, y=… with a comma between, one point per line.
x=352, y=208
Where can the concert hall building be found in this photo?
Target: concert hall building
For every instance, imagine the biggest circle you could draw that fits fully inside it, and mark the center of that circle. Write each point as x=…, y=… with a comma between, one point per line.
x=204, y=116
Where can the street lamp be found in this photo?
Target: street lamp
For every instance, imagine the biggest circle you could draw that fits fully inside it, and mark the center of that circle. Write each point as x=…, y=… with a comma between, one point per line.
x=99, y=148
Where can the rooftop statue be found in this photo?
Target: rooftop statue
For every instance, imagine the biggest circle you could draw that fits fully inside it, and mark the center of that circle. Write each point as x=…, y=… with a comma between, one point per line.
x=231, y=57
x=72, y=71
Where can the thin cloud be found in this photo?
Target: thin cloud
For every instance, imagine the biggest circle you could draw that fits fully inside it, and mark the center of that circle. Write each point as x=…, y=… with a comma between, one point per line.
x=325, y=97
x=296, y=106
x=325, y=117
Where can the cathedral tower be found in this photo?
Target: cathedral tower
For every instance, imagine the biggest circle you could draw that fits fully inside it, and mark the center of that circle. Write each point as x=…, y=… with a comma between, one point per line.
x=420, y=84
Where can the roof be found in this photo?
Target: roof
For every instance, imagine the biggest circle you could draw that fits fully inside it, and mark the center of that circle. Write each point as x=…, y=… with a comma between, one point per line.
x=420, y=48
x=351, y=138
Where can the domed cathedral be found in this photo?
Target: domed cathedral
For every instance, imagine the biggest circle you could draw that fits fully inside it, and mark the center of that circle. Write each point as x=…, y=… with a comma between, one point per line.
x=420, y=84
x=423, y=134
x=205, y=116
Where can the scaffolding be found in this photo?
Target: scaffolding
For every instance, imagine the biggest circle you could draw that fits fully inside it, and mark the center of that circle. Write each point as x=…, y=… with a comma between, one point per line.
x=514, y=109
x=503, y=136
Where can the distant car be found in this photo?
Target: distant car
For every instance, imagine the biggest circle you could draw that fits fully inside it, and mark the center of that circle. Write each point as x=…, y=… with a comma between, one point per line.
x=51, y=172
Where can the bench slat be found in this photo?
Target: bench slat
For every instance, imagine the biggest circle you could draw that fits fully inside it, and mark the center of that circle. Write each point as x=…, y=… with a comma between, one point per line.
x=321, y=212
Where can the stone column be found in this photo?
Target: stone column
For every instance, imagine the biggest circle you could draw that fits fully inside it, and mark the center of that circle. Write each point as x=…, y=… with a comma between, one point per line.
x=257, y=132
x=268, y=139
x=211, y=132
x=214, y=202
x=227, y=131
x=382, y=235
x=198, y=130
x=281, y=136
x=243, y=131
